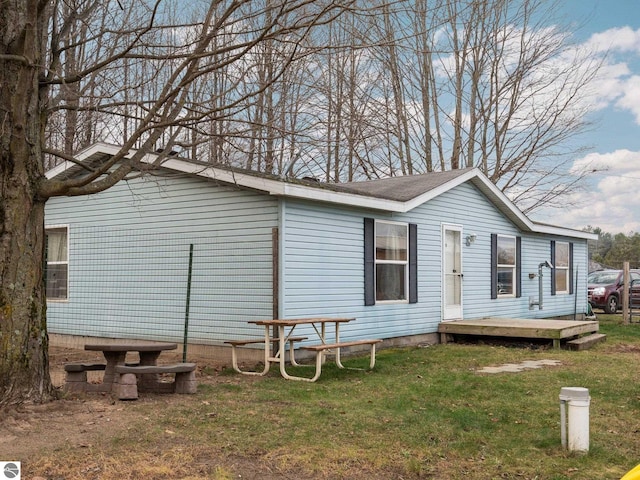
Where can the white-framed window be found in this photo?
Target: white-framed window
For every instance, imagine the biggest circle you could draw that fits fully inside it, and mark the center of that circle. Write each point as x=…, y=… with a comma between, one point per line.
x=506, y=259
x=391, y=261
x=57, y=263
x=562, y=264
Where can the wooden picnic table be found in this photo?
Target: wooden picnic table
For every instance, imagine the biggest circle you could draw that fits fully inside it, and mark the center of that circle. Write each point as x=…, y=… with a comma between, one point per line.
x=285, y=329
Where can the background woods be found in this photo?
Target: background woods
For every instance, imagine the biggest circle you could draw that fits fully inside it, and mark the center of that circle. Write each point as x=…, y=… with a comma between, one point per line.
x=612, y=250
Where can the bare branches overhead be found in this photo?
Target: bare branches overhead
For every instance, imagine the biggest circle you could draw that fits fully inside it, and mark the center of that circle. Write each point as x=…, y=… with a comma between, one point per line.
x=339, y=90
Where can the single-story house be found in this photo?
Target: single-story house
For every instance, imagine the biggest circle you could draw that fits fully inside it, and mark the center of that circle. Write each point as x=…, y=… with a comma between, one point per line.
x=197, y=250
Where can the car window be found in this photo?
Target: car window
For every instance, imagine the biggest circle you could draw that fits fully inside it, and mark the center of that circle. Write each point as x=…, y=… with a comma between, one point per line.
x=602, y=278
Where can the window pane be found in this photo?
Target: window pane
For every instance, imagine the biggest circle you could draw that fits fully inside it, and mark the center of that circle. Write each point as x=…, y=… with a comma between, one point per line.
x=561, y=280
x=57, y=245
x=452, y=251
x=390, y=282
x=56, y=281
x=391, y=242
x=505, y=281
x=506, y=251
x=562, y=254
x=453, y=290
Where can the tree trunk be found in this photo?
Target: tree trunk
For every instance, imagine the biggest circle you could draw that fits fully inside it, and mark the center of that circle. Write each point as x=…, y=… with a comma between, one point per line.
x=24, y=365
x=24, y=370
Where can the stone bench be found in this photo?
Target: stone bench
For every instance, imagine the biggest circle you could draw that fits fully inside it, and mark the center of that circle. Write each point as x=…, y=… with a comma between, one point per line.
x=127, y=376
x=76, y=375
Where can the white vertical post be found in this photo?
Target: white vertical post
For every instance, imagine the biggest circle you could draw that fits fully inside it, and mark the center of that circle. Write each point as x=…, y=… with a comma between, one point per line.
x=574, y=428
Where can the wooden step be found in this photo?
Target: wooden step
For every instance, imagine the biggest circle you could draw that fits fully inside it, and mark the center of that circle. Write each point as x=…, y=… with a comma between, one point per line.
x=588, y=341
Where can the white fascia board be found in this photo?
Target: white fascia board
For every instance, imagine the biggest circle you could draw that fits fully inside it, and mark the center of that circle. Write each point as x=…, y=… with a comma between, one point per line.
x=343, y=198
x=531, y=225
x=508, y=207
x=502, y=202
x=102, y=148
x=96, y=148
x=58, y=169
x=564, y=232
x=272, y=187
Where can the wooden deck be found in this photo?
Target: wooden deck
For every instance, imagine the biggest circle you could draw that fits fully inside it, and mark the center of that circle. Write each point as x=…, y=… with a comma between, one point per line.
x=555, y=330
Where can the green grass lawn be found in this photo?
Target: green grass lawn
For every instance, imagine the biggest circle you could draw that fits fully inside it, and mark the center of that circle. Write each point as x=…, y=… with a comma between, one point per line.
x=421, y=413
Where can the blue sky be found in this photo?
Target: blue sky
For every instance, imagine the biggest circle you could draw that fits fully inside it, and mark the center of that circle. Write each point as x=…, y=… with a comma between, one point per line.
x=612, y=199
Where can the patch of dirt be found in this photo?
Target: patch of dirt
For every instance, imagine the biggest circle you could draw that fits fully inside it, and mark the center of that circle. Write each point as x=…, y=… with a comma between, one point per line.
x=78, y=420
x=623, y=348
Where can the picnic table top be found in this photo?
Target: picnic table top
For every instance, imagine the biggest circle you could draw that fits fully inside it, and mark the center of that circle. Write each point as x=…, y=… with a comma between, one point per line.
x=301, y=321
x=131, y=347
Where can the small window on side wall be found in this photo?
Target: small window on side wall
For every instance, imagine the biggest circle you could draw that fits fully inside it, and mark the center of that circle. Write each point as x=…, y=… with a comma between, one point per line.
x=505, y=266
x=562, y=271
x=57, y=263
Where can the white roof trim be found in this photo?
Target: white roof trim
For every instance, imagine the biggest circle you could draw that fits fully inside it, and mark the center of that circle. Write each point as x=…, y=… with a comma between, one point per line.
x=308, y=192
x=96, y=148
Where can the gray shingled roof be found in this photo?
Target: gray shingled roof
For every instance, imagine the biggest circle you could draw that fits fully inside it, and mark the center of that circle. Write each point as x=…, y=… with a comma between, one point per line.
x=401, y=189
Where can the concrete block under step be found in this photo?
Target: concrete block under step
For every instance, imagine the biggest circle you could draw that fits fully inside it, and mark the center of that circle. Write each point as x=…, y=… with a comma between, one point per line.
x=588, y=341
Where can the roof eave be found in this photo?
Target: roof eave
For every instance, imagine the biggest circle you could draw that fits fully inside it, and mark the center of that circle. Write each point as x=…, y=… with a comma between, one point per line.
x=282, y=188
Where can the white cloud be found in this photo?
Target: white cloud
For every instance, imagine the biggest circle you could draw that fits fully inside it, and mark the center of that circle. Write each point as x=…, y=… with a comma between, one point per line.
x=615, y=83
x=617, y=162
x=612, y=200
x=630, y=98
x=608, y=85
x=621, y=39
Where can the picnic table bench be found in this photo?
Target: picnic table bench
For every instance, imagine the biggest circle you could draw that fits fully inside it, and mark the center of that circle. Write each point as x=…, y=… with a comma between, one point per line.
x=126, y=379
x=320, y=348
x=268, y=357
x=76, y=375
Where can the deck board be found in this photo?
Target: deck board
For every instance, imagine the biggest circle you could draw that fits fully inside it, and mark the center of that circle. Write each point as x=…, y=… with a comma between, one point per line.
x=555, y=330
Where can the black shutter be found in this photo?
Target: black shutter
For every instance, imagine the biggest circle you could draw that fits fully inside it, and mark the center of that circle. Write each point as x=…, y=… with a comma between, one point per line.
x=518, y=278
x=494, y=265
x=570, y=269
x=413, y=263
x=369, y=262
x=553, y=267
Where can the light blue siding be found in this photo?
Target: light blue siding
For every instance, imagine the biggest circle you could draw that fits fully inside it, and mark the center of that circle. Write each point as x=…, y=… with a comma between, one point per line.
x=129, y=260
x=323, y=272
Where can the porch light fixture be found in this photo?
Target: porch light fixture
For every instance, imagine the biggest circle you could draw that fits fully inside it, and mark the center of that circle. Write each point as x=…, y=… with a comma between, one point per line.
x=470, y=239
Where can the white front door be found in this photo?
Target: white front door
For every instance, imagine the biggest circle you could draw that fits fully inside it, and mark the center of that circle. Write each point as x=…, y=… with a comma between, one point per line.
x=452, y=272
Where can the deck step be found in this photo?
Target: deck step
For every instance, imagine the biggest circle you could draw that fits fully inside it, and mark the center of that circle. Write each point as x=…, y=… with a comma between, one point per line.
x=588, y=341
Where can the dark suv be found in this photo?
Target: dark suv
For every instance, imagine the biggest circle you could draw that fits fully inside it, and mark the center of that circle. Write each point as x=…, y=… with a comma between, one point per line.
x=604, y=289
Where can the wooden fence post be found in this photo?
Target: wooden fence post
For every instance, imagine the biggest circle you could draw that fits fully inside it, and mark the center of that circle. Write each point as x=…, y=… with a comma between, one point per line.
x=625, y=293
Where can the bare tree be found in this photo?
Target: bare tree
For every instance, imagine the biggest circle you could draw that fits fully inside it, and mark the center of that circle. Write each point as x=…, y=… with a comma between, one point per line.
x=63, y=64
x=492, y=84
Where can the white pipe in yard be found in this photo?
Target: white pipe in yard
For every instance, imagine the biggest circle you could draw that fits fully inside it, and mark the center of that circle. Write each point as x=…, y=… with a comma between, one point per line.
x=574, y=418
